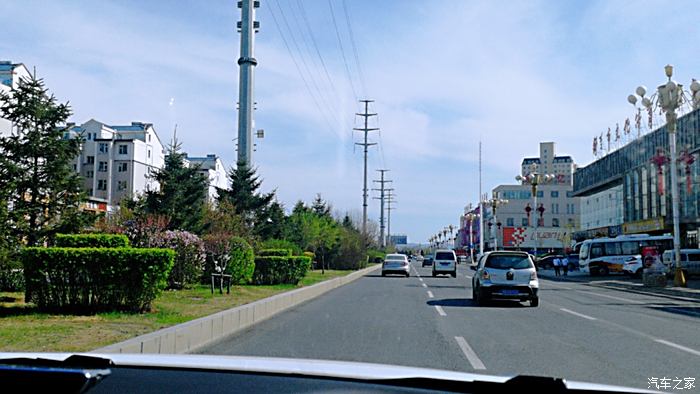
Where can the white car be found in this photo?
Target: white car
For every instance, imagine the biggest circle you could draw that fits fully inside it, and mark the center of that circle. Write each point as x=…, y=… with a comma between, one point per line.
x=445, y=262
x=633, y=266
x=505, y=275
x=396, y=264
x=690, y=261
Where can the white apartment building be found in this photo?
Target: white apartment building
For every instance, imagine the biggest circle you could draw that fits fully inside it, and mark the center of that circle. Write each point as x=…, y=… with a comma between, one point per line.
x=213, y=169
x=10, y=75
x=556, y=215
x=116, y=161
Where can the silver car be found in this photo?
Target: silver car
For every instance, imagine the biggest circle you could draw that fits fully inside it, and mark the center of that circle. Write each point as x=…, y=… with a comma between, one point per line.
x=505, y=275
x=396, y=264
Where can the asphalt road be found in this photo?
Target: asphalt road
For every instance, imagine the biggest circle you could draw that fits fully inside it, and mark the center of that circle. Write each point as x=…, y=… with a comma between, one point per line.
x=578, y=332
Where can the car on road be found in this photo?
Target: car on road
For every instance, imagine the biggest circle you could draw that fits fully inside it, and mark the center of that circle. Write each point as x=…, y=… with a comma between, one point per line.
x=396, y=264
x=505, y=275
x=547, y=262
x=690, y=261
x=418, y=259
x=445, y=262
x=633, y=266
x=427, y=261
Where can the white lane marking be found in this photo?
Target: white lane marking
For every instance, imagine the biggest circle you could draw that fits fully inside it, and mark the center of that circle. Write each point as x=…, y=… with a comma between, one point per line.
x=468, y=276
x=430, y=294
x=677, y=346
x=424, y=285
x=474, y=360
x=420, y=279
x=578, y=314
x=440, y=311
x=612, y=297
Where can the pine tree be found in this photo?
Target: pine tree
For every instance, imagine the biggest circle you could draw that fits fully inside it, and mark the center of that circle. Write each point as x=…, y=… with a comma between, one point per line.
x=320, y=207
x=244, y=195
x=182, y=194
x=42, y=191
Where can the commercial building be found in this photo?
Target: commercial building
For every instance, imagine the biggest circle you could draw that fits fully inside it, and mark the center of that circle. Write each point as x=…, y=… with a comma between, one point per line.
x=641, y=171
x=557, y=211
x=116, y=161
x=213, y=169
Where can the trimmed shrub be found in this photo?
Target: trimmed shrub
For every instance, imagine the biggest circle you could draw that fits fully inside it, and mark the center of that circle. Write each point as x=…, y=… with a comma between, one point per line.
x=275, y=252
x=241, y=264
x=273, y=270
x=89, y=280
x=11, y=274
x=91, y=241
x=282, y=244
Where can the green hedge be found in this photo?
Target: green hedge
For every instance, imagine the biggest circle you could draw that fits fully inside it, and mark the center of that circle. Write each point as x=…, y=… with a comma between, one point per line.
x=91, y=241
x=275, y=252
x=89, y=280
x=241, y=265
x=273, y=270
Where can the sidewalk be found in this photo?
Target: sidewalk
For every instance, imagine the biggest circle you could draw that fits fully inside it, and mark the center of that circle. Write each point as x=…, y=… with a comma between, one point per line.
x=626, y=283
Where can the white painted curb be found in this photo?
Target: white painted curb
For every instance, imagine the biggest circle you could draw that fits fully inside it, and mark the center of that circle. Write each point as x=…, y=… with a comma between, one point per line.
x=188, y=336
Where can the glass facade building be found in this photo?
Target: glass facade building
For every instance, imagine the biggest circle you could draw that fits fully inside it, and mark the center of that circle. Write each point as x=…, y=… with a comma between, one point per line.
x=646, y=186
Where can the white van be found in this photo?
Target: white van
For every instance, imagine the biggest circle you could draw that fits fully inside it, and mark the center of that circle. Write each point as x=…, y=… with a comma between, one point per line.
x=445, y=262
x=690, y=261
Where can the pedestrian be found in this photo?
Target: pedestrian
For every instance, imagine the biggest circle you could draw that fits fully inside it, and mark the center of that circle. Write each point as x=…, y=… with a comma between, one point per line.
x=565, y=265
x=557, y=265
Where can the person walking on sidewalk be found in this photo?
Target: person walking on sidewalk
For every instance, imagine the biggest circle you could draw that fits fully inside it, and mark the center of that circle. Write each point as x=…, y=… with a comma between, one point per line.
x=557, y=265
x=565, y=265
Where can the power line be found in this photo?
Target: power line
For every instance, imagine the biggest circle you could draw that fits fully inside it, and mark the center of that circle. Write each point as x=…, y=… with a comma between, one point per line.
x=313, y=40
x=303, y=62
x=342, y=50
x=354, y=48
x=296, y=64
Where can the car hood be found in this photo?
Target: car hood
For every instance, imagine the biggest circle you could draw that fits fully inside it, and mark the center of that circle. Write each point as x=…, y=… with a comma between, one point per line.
x=296, y=366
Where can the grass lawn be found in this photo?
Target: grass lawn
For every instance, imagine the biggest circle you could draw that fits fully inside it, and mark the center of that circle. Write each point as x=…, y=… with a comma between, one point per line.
x=24, y=329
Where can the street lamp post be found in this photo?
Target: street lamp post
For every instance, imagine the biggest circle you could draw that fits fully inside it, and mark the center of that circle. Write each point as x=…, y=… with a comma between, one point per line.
x=535, y=179
x=669, y=97
x=495, y=202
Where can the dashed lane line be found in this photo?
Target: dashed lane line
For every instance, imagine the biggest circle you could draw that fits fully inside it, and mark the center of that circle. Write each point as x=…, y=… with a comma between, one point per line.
x=430, y=294
x=440, y=311
x=679, y=347
x=577, y=314
x=474, y=360
x=424, y=285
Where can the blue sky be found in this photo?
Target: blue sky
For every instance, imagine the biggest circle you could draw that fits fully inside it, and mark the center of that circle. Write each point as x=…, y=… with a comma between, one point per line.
x=444, y=74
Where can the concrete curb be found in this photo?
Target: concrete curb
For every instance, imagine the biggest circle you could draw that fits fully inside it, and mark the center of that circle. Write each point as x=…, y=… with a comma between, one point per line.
x=188, y=336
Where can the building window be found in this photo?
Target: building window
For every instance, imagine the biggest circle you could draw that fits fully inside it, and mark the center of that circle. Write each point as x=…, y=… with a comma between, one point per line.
x=123, y=150
x=149, y=153
x=571, y=221
x=90, y=174
x=121, y=185
x=91, y=160
x=103, y=166
x=540, y=222
x=510, y=222
x=525, y=223
x=102, y=184
x=104, y=147
x=89, y=136
x=122, y=167
x=540, y=194
x=149, y=137
x=554, y=194
x=555, y=222
x=75, y=167
x=90, y=191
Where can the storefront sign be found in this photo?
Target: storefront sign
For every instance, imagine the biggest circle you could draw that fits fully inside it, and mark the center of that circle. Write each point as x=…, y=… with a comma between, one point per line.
x=643, y=226
x=524, y=237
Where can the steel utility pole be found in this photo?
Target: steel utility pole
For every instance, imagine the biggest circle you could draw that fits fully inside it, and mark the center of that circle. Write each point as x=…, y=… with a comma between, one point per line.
x=247, y=26
x=389, y=201
x=365, y=144
x=382, y=190
x=481, y=209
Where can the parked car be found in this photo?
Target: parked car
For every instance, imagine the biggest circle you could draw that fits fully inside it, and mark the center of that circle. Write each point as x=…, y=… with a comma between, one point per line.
x=690, y=261
x=445, y=262
x=396, y=264
x=505, y=275
x=547, y=262
x=573, y=262
x=633, y=266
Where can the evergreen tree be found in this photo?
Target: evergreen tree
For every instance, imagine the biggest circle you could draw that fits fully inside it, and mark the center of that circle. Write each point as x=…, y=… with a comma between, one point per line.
x=347, y=222
x=182, y=194
x=244, y=196
x=271, y=222
x=41, y=189
x=320, y=207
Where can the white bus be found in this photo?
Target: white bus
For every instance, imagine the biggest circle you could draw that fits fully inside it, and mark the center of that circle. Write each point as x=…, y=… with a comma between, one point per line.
x=601, y=256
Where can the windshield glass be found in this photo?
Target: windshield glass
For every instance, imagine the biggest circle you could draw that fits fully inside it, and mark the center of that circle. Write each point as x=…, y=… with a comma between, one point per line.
x=247, y=178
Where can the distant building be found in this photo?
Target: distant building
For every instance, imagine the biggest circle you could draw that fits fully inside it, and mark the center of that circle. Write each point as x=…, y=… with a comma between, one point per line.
x=116, y=161
x=557, y=211
x=213, y=168
x=10, y=75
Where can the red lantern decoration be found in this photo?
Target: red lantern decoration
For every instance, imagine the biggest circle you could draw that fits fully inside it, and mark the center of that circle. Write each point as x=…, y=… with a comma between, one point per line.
x=660, y=159
x=687, y=159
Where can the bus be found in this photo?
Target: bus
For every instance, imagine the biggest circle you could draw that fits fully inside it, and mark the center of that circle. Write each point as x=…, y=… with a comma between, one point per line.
x=602, y=256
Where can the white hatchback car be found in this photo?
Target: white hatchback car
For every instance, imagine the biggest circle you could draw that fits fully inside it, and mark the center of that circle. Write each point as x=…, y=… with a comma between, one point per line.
x=445, y=262
x=505, y=275
x=396, y=264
